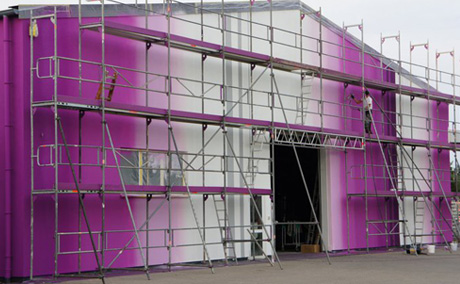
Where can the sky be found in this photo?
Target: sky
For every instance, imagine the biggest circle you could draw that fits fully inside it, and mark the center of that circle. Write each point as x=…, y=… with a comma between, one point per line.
x=417, y=20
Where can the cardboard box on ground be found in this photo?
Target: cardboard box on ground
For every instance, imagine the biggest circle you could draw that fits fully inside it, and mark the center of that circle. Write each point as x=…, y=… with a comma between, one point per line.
x=310, y=248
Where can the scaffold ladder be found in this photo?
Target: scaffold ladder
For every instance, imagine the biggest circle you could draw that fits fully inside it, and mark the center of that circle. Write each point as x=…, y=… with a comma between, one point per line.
x=396, y=171
x=110, y=86
x=225, y=231
x=259, y=140
x=304, y=99
x=312, y=234
x=419, y=219
x=455, y=207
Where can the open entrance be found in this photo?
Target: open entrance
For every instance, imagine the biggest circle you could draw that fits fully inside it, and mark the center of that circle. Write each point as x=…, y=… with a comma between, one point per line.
x=292, y=209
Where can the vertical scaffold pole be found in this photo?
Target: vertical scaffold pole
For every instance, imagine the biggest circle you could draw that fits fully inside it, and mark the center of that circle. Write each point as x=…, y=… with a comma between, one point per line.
x=302, y=16
x=80, y=118
x=224, y=90
x=56, y=146
x=401, y=125
x=363, y=87
x=438, y=55
x=428, y=129
x=203, y=128
x=321, y=66
x=455, y=133
x=272, y=118
x=348, y=199
x=398, y=166
x=103, y=125
x=147, y=142
x=251, y=139
x=32, y=149
x=169, y=91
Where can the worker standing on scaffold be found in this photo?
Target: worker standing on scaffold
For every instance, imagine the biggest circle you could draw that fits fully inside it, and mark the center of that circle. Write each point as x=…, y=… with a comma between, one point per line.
x=367, y=104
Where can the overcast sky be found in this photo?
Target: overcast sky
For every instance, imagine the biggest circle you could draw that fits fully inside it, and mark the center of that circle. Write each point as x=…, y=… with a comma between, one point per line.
x=418, y=21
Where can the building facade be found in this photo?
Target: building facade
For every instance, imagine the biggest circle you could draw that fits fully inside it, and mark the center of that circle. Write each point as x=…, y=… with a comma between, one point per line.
x=210, y=132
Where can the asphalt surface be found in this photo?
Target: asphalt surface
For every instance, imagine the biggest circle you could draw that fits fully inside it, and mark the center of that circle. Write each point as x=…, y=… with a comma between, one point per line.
x=388, y=267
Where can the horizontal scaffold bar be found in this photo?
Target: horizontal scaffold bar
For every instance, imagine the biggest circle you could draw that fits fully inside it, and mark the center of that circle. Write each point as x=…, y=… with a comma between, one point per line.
x=240, y=55
x=86, y=104
x=400, y=193
x=154, y=189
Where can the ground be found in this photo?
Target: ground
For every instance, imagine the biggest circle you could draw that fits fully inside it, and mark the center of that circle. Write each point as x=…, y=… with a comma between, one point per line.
x=388, y=267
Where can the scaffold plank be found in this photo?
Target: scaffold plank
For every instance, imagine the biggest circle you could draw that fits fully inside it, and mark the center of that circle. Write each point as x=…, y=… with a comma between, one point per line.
x=240, y=55
x=330, y=136
x=156, y=189
x=384, y=193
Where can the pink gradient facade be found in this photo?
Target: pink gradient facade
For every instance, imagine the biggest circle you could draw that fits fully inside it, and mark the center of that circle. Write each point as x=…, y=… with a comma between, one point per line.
x=128, y=132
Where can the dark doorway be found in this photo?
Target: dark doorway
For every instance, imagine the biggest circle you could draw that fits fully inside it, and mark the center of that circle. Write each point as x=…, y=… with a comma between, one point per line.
x=291, y=202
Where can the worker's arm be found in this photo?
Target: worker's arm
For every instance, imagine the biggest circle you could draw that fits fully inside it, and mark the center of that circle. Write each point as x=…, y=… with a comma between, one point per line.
x=356, y=100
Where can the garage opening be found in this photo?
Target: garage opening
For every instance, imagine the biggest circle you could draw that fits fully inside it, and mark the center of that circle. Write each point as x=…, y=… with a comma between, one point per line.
x=292, y=209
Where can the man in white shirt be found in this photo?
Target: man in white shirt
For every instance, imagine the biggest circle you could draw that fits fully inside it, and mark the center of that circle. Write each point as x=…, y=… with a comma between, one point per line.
x=367, y=104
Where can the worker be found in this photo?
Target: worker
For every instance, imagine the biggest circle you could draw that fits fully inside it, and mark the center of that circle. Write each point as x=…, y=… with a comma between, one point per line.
x=367, y=104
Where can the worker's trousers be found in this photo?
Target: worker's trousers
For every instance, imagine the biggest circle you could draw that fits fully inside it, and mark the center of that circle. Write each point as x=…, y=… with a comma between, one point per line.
x=368, y=121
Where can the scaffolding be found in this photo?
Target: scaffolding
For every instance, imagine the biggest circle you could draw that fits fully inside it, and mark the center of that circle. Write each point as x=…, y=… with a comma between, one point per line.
x=282, y=126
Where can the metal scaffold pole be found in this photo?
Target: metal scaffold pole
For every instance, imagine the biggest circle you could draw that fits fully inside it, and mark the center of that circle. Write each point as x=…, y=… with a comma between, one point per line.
x=56, y=142
x=362, y=65
x=168, y=172
x=32, y=149
x=252, y=139
x=80, y=120
x=272, y=118
x=396, y=168
x=324, y=242
x=225, y=227
x=80, y=201
x=455, y=231
x=103, y=129
x=203, y=126
x=148, y=121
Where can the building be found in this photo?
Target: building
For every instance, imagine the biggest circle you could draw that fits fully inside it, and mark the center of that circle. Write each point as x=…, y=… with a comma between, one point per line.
x=199, y=132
